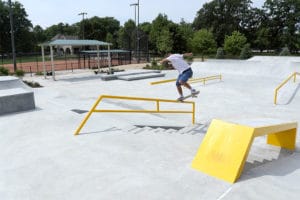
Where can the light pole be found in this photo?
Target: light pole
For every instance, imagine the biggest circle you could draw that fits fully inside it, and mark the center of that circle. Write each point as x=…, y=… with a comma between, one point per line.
x=12, y=35
x=135, y=5
x=83, y=14
x=137, y=27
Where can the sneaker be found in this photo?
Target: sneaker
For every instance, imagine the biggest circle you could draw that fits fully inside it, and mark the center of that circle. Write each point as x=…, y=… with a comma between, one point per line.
x=181, y=98
x=193, y=91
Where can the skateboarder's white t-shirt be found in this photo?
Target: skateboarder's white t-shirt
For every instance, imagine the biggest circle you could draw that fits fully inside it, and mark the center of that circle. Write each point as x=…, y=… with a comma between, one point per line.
x=178, y=62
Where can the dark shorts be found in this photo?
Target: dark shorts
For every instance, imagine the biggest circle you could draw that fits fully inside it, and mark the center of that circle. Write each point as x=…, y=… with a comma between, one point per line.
x=184, y=77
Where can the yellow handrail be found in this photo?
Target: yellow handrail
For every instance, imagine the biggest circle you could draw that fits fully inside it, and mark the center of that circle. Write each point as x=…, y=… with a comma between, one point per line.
x=195, y=80
x=157, y=110
x=192, y=80
x=283, y=83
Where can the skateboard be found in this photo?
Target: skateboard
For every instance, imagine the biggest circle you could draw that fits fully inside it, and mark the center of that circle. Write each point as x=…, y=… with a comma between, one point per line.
x=190, y=95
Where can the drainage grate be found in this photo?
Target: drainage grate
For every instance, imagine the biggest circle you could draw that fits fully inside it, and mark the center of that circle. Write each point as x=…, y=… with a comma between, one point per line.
x=79, y=111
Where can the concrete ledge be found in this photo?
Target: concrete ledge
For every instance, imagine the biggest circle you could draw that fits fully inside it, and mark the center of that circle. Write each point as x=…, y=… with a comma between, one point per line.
x=140, y=76
x=16, y=100
x=107, y=77
x=15, y=96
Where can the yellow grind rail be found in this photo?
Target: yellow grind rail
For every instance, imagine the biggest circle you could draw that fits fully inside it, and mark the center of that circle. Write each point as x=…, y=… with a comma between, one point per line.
x=156, y=110
x=192, y=80
x=294, y=75
x=225, y=147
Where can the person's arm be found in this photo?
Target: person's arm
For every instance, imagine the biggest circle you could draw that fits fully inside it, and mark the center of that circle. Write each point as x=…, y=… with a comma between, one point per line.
x=187, y=55
x=165, y=60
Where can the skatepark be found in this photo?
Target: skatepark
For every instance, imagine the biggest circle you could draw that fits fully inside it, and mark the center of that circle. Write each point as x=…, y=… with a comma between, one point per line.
x=123, y=155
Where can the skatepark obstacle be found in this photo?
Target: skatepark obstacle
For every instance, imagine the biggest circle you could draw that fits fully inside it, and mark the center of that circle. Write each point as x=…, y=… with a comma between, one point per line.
x=226, y=145
x=294, y=75
x=15, y=96
x=156, y=110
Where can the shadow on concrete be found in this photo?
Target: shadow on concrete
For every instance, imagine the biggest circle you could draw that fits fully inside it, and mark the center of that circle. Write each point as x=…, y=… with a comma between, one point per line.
x=292, y=96
x=112, y=129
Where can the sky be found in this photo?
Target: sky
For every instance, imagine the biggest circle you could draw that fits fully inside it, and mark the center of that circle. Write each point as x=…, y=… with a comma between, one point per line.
x=49, y=12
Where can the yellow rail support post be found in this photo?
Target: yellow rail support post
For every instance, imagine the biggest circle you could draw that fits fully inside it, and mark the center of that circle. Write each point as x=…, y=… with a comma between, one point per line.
x=157, y=110
x=88, y=116
x=225, y=148
x=283, y=83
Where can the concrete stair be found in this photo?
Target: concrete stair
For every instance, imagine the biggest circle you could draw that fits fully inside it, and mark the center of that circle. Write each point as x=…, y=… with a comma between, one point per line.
x=262, y=153
x=134, y=75
x=140, y=76
x=144, y=129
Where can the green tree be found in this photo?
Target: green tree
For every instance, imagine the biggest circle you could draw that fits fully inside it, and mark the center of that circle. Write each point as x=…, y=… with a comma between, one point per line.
x=126, y=35
x=187, y=32
x=61, y=28
x=159, y=25
x=24, y=40
x=203, y=42
x=39, y=34
x=97, y=28
x=164, y=42
x=246, y=52
x=225, y=16
x=234, y=43
x=262, y=41
x=283, y=17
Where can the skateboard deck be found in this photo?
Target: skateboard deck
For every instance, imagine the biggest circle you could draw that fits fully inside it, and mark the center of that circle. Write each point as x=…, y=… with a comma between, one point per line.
x=190, y=95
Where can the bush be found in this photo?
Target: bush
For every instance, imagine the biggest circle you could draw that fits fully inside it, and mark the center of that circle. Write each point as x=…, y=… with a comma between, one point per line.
x=234, y=43
x=246, y=52
x=285, y=52
x=32, y=84
x=19, y=73
x=153, y=63
x=204, y=43
x=4, y=71
x=39, y=73
x=220, y=53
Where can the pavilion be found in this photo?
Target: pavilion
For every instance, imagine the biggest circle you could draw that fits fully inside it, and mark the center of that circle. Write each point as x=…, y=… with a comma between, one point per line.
x=73, y=43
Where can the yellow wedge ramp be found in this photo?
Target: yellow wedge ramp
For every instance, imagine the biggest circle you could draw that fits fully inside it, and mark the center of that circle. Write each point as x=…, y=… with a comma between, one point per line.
x=225, y=147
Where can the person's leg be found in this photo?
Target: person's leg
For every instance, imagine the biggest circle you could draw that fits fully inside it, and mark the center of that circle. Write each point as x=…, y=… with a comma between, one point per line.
x=178, y=86
x=185, y=84
x=184, y=79
x=179, y=89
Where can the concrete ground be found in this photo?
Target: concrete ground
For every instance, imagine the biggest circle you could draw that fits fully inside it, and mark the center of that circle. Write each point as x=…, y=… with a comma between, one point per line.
x=40, y=158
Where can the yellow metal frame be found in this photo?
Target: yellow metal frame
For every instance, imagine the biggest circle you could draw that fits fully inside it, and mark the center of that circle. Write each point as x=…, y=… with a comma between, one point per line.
x=294, y=75
x=225, y=147
x=157, y=110
x=192, y=80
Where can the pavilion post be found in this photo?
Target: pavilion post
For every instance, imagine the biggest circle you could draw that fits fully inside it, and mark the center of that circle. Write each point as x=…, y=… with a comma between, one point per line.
x=52, y=62
x=98, y=59
x=43, y=59
x=109, y=58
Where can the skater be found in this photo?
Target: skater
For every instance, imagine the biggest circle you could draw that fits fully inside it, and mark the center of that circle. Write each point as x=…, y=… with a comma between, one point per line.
x=185, y=72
